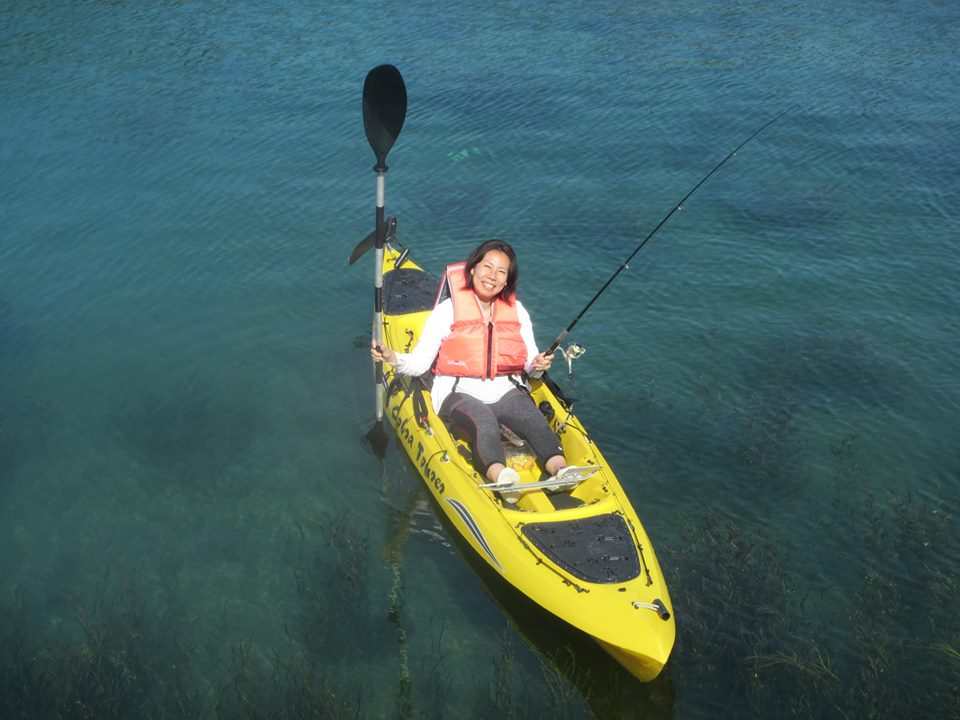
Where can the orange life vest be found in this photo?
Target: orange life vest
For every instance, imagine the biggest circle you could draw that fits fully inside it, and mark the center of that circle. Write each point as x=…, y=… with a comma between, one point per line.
x=476, y=348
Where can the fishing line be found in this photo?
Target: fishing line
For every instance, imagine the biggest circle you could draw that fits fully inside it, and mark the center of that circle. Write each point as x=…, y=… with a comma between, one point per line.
x=678, y=206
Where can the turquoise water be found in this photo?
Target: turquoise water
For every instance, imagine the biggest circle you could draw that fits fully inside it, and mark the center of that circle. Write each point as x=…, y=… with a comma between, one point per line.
x=190, y=525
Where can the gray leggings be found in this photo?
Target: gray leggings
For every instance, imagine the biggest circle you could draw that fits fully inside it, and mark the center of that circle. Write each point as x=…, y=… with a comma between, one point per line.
x=481, y=423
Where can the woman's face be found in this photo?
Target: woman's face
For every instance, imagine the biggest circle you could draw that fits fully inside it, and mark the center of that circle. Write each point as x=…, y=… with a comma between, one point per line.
x=490, y=275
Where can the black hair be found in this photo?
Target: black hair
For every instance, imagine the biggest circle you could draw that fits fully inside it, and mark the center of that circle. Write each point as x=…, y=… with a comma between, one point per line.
x=513, y=274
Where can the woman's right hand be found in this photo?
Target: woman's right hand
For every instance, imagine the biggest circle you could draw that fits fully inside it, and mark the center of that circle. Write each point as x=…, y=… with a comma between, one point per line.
x=381, y=353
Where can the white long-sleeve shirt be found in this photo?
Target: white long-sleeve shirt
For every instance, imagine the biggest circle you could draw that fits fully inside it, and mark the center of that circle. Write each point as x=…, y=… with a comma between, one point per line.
x=436, y=329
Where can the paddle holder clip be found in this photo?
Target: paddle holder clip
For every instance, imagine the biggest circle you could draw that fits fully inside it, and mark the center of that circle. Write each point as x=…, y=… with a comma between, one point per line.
x=573, y=351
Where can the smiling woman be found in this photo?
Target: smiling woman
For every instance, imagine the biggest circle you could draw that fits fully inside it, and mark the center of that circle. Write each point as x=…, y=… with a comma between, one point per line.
x=491, y=272
x=479, y=343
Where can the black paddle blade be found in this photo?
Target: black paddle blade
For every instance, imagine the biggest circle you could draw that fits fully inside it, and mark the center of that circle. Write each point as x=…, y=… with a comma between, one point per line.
x=377, y=440
x=384, y=110
x=370, y=240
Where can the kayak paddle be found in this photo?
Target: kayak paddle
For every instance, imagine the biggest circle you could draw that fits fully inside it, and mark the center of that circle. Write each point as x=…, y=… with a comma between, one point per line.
x=384, y=110
x=370, y=240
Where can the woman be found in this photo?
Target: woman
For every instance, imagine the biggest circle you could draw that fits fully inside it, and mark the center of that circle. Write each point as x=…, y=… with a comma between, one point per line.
x=478, y=341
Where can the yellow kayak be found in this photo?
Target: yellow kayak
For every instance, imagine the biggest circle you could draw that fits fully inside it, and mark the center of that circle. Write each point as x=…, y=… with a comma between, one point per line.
x=575, y=547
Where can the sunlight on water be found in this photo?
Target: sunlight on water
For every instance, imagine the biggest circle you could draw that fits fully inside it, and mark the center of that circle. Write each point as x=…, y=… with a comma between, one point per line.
x=190, y=523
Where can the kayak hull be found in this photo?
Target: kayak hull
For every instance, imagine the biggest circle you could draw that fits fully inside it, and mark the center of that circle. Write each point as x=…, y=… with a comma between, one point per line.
x=581, y=553
x=643, y=666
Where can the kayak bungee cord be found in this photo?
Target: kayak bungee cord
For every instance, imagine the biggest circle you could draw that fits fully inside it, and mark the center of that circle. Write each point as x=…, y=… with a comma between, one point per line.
x=574, y=351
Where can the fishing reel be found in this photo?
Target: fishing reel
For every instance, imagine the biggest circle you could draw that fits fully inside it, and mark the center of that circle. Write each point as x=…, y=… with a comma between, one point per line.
x=573, y=351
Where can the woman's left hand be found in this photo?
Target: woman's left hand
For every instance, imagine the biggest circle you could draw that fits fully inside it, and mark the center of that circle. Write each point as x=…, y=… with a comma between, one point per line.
x=541, y=363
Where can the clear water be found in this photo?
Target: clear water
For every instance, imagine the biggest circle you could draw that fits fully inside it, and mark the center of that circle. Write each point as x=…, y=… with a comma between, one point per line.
x=189, y=523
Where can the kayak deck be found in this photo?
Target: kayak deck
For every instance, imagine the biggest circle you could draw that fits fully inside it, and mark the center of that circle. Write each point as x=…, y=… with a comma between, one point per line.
x=579, y=550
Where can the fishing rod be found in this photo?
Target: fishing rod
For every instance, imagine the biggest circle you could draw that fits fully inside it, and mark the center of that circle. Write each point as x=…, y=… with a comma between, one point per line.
x=576, y=350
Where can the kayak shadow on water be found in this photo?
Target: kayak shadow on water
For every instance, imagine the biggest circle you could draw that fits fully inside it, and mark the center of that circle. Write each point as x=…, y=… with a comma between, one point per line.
x=605, y=686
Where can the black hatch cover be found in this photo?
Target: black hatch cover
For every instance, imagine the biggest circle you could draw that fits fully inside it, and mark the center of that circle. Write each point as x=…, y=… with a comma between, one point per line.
x=598, y=549
x=408, y=290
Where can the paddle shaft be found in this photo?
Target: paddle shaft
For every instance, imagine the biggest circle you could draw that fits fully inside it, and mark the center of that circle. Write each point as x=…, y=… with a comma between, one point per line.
x=678, y=206
x=378, y=287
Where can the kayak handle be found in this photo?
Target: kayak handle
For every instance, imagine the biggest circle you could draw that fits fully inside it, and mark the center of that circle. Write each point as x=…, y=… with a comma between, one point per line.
x=657, y=606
